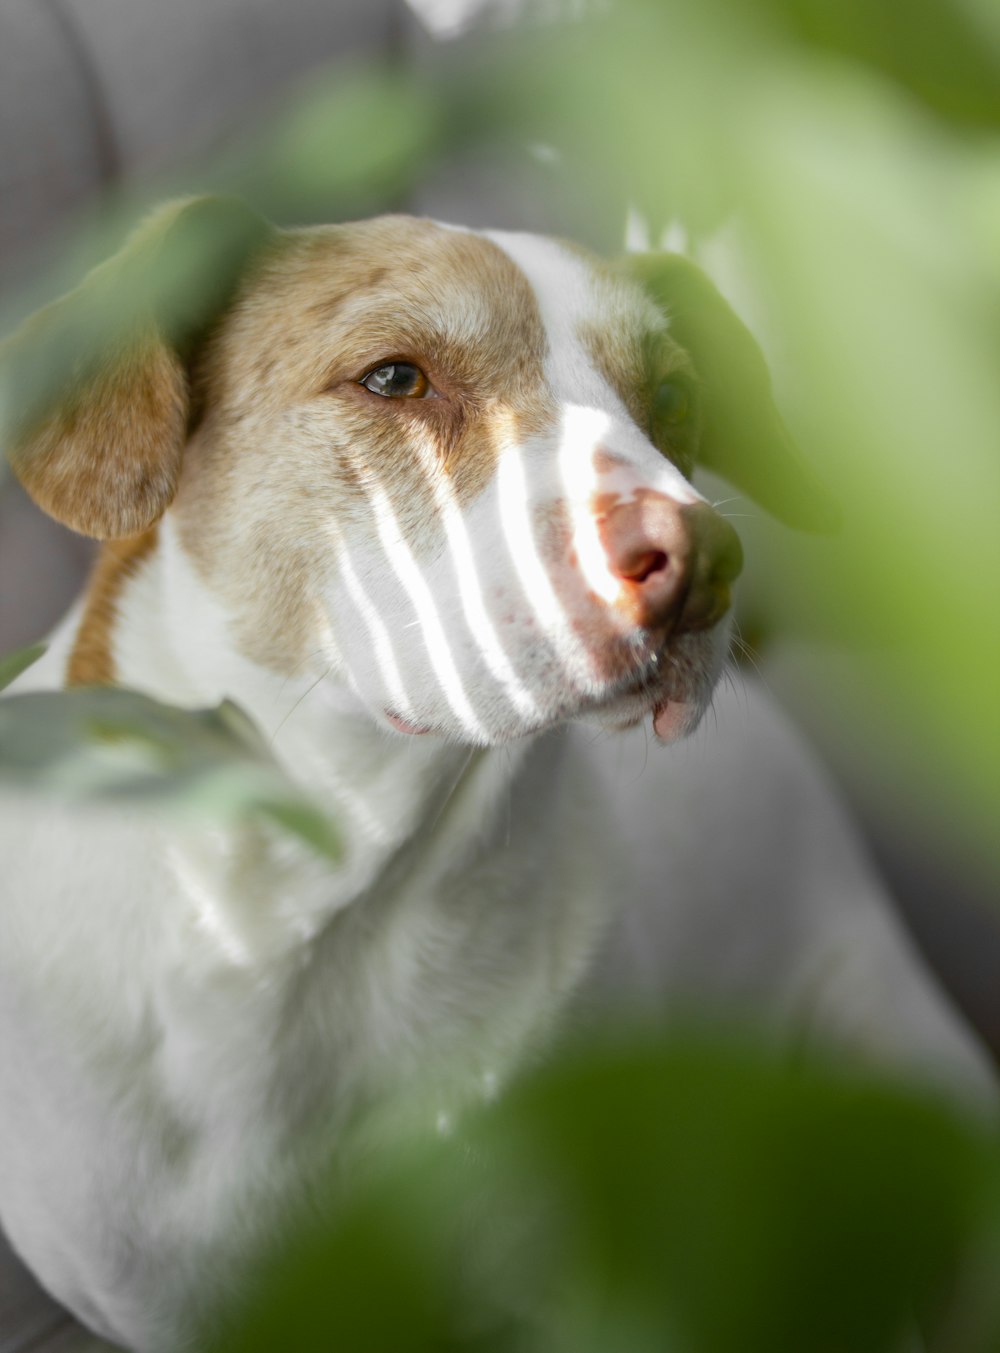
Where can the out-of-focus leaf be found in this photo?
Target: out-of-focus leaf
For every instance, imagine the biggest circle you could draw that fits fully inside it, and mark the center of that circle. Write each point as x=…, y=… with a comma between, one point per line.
x=104, y=743
x=869, y=226
x=348, y=143
x=14, y=664
x=692, y=1195
x=883, y=283
x=945, y=54
x=299, y=818
x=172, y=277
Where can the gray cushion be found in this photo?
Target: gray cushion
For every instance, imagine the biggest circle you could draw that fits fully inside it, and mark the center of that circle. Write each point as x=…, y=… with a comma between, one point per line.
x=50, y=153
x=175, y=74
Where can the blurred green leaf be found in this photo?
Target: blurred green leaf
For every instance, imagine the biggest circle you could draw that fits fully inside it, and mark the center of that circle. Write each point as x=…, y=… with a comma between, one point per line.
x=861, y=240
x=694, y=1194
x=302, y=819
x=171, y=278
x=942, y=52
x=118, y=745
x=15, y=663
x=351, y=141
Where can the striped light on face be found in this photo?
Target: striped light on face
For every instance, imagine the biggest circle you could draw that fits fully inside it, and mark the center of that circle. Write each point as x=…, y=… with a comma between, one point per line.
x=579, y=439
x=467, y=571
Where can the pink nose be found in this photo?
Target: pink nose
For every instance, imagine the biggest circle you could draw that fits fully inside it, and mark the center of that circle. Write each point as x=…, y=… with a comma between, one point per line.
x=676, y=561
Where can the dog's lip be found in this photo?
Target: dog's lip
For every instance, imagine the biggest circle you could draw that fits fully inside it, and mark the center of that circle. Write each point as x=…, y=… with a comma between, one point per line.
x=404, y=726
x=671, y=719
x=657, y=689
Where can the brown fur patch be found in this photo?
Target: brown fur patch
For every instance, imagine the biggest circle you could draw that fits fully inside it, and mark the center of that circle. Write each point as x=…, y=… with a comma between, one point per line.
x=91, y=662
x=106, y=460
x=290, y=441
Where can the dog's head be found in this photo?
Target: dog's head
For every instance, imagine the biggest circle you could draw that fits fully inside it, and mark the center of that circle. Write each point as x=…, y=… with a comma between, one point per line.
x=448, y=469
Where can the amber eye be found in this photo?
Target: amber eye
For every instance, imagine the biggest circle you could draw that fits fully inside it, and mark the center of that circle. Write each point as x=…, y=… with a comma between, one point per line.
x=397, y=380
x=672, y=401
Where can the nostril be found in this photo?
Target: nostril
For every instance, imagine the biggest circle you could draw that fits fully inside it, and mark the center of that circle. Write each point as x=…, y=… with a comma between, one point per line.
x=643, y=566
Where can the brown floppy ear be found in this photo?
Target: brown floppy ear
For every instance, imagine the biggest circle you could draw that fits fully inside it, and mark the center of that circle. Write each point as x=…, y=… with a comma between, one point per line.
x=744, y=437
x=96, y=389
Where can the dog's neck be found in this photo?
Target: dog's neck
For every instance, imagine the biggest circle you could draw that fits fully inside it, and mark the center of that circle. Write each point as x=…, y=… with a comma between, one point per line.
x=444, y=886
x=172, y=640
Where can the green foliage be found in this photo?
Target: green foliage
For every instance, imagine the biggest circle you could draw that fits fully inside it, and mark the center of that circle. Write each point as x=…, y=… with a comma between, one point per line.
x=120, y=746
x=691, y=1194
x=14, y=664
x=351, y=143
x=856, y=147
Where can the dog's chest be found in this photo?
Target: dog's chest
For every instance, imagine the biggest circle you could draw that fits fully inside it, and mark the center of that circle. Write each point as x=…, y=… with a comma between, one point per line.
x=463, y=939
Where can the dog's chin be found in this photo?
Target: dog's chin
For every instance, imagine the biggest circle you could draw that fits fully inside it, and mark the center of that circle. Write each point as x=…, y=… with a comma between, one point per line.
x=670, y=688
x=672, y=719
x=675, y=709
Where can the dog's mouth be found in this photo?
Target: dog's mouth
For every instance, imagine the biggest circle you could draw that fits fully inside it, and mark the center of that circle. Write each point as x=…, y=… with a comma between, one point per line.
x=665, y=679
x=675, y=707
x=671, y=689
x=672, y=718
x=671, y=684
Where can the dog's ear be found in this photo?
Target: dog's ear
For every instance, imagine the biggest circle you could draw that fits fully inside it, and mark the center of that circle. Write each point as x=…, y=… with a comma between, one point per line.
x=96, y=388
x=744, y=437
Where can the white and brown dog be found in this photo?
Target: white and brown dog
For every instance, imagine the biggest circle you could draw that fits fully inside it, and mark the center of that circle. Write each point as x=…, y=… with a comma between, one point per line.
x=418, y=499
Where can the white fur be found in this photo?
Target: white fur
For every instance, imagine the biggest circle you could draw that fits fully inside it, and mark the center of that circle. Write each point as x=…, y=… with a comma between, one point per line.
x=192, y=1019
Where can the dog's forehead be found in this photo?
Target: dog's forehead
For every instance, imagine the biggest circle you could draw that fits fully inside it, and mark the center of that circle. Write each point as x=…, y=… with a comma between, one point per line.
x=575, y=290
x=593, y=316
x=506, y=296
x=453, y=280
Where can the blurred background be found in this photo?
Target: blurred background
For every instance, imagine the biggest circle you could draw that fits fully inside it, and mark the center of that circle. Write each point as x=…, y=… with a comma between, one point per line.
x=837, y=168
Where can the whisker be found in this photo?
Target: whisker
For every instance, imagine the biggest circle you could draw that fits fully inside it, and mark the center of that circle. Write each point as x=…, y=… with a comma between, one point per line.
x=459, y=777
x=308, y=691
x=748, y=653
x=299, y=666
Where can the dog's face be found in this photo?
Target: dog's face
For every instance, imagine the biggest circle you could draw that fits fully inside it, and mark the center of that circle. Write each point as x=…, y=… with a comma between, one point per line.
x=440, y=444
x=450, y=470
